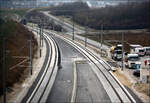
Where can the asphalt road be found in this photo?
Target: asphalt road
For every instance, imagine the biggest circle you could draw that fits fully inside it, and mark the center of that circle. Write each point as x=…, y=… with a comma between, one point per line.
x=87, y=81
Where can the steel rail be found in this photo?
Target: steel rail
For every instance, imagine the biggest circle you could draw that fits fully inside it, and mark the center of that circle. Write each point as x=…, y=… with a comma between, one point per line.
x=48, y=66
x=41, y=79
x=106, y=64
x=97, y=59
x=55, y=65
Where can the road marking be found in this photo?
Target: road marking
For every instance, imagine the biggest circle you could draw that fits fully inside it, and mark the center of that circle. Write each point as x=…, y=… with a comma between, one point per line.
x=74, y=90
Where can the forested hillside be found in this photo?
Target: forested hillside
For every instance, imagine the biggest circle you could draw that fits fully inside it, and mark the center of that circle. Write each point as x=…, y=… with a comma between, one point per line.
x=123, y=16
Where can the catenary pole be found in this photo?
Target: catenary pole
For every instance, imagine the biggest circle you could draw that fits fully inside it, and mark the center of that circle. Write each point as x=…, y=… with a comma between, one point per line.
x=122, y=51
x=86, y=33
x=101, y=37
x=40, y=40
x=4, y=69
x=73, y=29
x=31, y=53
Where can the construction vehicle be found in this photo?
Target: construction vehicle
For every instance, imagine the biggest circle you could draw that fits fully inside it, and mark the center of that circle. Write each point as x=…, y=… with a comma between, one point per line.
x=116, y=52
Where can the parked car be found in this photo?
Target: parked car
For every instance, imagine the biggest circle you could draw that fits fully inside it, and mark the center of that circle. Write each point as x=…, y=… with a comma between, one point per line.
x=136, y=72
x=147, y=61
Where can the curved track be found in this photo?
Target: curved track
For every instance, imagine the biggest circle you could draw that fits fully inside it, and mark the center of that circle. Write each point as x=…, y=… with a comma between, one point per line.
x=42, y=86
x=115, y=90
x=113, y=87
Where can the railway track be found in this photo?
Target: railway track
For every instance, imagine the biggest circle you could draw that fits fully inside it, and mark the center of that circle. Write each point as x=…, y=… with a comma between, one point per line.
x=115, y=90
x=44, y=84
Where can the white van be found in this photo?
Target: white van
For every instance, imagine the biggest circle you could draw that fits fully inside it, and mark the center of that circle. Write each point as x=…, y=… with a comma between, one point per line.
x=132, y=61
x=147, y=50
x=140, y=51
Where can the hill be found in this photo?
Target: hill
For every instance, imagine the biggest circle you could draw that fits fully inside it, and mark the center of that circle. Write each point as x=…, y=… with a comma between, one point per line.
x=17, y=50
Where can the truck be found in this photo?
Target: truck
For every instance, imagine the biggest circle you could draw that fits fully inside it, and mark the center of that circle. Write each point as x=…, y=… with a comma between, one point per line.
x=116, y=52
x=117, y=55
x=132, y=61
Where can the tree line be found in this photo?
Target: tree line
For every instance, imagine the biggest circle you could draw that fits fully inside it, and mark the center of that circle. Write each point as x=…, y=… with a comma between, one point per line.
x=123, y=16
x=42, y=20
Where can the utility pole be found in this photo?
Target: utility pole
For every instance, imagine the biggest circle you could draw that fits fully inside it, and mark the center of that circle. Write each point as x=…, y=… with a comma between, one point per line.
x=4, y=69
x=86, y=36
x=32, y=22
x=122, y=51
x=42, y=31
x=53, y=25
x=40, y=40
x=31, y=53
x=62, y=24
x=86, y=29
x=73, y=29
x=101, y=38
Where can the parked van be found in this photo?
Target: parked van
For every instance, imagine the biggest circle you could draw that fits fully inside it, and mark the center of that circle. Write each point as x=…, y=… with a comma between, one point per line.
x=132, y=61
x=140, y=51
x=133, y=46
x=147, y=50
